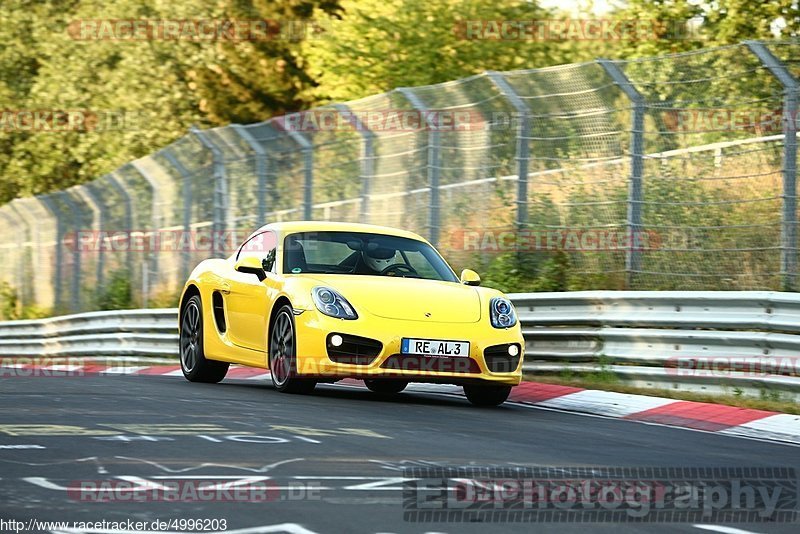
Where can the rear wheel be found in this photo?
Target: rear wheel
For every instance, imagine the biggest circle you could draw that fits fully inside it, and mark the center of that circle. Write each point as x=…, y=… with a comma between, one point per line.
x=385, y=387
x=283, y=355
x=195, y=366
x=487, y=395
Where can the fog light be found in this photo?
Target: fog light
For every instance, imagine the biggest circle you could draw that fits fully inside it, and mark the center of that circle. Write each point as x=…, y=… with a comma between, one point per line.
x=513, y=350
x=336, y=340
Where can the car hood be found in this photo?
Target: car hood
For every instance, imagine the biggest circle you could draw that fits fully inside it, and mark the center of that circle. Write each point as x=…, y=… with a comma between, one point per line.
x=409, y=299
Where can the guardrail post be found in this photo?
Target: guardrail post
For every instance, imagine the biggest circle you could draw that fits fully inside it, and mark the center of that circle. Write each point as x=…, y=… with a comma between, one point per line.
x=367, y=157
x=523, y=143
x=262, y=172
x=220, y=192
x=791, y=92
x=308, y=166
x=633, y=256
x=434, y=163
x=186, y=193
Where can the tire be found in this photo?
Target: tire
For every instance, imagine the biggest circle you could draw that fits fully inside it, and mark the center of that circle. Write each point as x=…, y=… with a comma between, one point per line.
x=195, y=366
x=384, y=386
x=283, y=355
x=487, y=395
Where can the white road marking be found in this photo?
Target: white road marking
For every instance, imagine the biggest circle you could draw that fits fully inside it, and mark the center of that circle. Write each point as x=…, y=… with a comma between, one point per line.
x=724, y=530
x=262, y=469
x=606, y=402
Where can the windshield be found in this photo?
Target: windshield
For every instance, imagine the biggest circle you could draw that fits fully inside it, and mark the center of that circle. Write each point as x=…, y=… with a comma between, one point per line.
x=363, y=254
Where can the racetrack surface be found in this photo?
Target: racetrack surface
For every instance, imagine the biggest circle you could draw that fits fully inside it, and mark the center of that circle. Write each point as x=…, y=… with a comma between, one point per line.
x=335, y=458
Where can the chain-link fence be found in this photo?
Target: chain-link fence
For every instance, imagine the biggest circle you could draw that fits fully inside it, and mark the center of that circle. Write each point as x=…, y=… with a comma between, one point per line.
x=673, y=172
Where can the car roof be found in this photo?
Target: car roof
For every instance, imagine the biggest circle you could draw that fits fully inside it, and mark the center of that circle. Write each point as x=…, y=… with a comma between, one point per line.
x=290, y=227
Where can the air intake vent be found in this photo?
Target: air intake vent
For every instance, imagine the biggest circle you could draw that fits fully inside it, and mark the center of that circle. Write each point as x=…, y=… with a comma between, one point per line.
x=219, y=311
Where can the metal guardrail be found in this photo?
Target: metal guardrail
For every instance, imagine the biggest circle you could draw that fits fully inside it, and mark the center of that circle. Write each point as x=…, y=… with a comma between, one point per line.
x=146, y=333
x=709, y=341
x=703, y=341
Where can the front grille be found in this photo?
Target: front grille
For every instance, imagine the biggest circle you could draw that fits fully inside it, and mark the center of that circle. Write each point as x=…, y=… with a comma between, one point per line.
x=498, y=360
x=355, y=350
x=414, y=362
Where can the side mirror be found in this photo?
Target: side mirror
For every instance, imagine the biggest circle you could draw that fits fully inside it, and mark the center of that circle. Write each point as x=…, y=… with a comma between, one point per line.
x=470, y=278
x=250, y=265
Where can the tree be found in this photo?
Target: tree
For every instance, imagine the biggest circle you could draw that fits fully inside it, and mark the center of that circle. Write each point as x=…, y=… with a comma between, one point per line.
x=374, y=46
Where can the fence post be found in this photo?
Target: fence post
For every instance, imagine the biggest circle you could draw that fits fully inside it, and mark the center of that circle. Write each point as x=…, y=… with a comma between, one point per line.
x=262, y=172
x=156, y=223
x=18, y=267
x=308, y=165
x=791, y=90
x=367, y=157
x=220, y=192
x=434, y=163
x=186, y=192
x=128, y=208
x=77, y=223
x=523, y=143
x=59, y=283
x=92, y=199
x=28, y=290
x=633, y=256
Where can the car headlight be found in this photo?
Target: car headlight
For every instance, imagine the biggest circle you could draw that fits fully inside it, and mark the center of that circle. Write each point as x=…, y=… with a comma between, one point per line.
x=502, y=313
x=330, y=302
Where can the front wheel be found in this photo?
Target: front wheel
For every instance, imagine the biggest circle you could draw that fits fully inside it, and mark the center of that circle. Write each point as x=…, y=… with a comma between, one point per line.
x=385, y=387
x=487, y=395
x=283, y=355
x=195, y=366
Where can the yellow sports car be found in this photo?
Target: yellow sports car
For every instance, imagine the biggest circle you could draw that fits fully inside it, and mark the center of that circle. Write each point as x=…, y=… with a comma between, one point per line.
x=320, y=301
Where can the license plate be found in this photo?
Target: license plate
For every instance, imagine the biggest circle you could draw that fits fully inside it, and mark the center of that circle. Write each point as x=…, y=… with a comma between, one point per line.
x=435, y=347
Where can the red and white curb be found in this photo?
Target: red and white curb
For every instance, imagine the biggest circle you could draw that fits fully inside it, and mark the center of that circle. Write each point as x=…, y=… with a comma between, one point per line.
x=717, y=418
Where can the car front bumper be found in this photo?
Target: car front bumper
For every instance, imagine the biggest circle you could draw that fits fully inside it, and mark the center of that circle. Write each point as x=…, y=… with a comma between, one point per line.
x=314, y=328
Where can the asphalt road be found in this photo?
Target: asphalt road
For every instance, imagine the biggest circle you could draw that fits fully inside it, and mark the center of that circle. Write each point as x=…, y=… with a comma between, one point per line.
x=330, y=462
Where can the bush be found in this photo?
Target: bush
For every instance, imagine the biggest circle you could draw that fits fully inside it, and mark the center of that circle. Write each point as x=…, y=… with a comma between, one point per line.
x=117, y=294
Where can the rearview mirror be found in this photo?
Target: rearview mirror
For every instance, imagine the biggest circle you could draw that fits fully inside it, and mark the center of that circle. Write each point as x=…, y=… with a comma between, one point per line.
x=470, y=278
x=250, y=265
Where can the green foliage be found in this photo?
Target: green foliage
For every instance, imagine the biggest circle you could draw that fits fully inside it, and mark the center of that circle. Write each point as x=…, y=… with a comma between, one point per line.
x=9, y=302
x=374, y=46
x=117, y=294
x=512, y=272
x=160, y=87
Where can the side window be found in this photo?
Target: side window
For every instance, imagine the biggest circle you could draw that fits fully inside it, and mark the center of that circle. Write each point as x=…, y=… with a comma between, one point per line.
x=269, y=261
x=261, y=246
